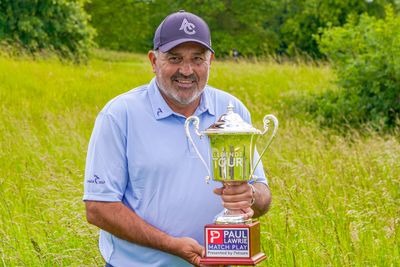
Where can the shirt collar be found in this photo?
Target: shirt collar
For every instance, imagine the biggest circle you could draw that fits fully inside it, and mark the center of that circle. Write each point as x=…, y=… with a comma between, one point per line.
x=161, y=109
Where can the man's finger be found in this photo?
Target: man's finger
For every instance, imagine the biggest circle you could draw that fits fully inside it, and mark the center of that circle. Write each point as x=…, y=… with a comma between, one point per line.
x=218, y=191
x=236, y=189
x=239, y=205
x=249, y=212
x=199, y=250
x=238, y=197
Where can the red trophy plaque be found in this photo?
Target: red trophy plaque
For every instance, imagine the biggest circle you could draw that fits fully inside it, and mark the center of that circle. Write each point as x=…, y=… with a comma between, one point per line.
x=237, y=244
x=232, y=239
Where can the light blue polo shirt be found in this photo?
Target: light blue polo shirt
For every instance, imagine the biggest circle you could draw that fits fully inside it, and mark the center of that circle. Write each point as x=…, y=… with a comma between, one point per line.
x=139, y=154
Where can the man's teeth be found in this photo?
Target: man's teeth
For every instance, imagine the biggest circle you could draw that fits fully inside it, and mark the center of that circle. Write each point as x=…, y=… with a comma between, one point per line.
x=180, y=81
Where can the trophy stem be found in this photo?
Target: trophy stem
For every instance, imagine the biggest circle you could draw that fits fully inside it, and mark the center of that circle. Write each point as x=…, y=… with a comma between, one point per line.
x=231, y=218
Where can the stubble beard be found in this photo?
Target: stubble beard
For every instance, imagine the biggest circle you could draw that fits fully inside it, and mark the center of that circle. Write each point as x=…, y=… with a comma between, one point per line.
x=175, y=96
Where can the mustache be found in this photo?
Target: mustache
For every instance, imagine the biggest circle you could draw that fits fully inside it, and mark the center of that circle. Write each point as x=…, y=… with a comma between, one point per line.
x=179, y=75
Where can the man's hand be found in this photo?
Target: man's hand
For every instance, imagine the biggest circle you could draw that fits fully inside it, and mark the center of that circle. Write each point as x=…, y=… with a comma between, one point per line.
x=188, y=249
x=237, y=197
x=241, y=199
x=116, y=218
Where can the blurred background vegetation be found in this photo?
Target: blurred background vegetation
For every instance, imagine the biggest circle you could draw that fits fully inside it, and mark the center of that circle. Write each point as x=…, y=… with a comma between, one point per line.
x=253, y=27
x=360, y=39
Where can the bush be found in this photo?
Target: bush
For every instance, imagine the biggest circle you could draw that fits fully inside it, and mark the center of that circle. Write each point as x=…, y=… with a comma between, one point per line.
x=301, y=19
x=59, y=26
x=365, y=55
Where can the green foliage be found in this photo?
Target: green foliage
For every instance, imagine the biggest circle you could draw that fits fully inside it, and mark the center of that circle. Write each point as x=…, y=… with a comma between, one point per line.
x=301, y=19
x=365, y=53
x=121, y=25
x=239, y=25
x=130, y=25
x=59, y=26
x=253, y=27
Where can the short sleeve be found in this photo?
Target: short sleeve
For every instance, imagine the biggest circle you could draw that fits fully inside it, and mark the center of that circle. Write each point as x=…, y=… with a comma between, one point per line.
x=106, y=172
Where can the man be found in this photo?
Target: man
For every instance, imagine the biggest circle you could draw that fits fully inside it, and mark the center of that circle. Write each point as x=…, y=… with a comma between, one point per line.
x=144, y=183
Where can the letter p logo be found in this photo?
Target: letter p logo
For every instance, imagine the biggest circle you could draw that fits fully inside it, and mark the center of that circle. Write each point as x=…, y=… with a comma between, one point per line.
x=215, y=237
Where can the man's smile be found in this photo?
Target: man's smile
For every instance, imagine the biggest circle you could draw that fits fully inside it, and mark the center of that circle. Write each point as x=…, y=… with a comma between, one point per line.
x=184, y=83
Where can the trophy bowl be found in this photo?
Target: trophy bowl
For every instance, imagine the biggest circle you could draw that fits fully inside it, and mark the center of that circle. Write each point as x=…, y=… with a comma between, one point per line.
x=232, y=142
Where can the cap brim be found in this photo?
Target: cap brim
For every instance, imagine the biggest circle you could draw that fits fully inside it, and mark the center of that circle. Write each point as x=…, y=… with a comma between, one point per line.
x=168, y=46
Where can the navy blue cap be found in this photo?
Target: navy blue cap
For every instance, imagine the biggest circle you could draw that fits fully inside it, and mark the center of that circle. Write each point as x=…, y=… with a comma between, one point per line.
x=181, y=27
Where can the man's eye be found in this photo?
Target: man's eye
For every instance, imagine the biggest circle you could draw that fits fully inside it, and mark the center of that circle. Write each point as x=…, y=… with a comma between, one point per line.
x=174, y=59
x=198, y=60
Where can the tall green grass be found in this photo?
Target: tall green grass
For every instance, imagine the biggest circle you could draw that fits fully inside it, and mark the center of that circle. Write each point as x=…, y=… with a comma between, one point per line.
x=336, y=198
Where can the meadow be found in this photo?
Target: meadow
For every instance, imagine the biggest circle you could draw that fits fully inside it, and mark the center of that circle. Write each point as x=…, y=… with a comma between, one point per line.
x=336, y=197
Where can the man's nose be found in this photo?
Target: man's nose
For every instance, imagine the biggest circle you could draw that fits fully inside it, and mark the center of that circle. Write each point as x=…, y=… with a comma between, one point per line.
x=186, y=68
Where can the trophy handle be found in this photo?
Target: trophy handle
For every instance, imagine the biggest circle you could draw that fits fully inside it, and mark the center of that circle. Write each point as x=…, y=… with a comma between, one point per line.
x=266, y=121
x=196, y=123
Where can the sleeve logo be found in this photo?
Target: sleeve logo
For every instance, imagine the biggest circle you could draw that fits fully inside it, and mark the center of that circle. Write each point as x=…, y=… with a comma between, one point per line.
x=96, y=180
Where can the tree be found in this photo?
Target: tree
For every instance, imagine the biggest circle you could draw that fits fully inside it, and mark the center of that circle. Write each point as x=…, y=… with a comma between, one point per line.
x=365, y=54
x=60, y=26
x=121, y=25
x=302, y=19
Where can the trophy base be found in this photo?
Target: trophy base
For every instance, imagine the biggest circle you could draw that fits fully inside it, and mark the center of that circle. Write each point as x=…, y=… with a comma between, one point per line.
x=253, y=261
x=232, y=244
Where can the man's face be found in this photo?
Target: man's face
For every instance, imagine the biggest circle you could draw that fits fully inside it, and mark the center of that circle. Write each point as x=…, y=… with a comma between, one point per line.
x=182, y=72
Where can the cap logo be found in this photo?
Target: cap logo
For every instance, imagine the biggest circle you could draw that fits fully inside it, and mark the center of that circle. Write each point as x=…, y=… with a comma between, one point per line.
x=187, y=27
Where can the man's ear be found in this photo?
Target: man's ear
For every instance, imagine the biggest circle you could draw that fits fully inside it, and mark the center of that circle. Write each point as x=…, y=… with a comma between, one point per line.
x=212, y=57
x=152, y=57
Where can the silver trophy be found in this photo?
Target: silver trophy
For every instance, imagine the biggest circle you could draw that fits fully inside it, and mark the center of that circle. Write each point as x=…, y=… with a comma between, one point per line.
x=232, y=142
